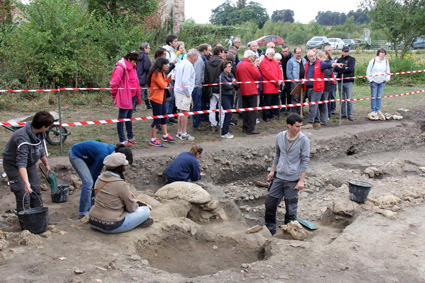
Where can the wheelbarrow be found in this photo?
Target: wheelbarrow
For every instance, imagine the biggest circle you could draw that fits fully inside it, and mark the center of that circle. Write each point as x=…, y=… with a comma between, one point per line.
x=54, y=133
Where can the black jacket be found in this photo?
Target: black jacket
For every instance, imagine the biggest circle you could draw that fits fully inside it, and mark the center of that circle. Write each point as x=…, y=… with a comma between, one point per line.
x=328, y=75
x=348, y=69
x=212, y=72
x=143, y=67
x=227, y=89
x=284, y=63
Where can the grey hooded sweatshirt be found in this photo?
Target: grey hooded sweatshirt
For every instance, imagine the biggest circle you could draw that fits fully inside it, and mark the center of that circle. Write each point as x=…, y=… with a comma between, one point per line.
x=24, y=148
x=291, y=163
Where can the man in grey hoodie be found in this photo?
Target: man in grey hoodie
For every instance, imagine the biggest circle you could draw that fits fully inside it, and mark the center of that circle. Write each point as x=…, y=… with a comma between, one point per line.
x=288, y=171
x=22, y=152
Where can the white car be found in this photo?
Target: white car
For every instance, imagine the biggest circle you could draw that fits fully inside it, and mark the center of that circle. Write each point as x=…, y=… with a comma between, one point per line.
x=336, y=43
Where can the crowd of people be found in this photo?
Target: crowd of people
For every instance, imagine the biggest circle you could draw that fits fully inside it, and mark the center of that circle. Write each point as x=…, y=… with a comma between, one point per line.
x=176, y=78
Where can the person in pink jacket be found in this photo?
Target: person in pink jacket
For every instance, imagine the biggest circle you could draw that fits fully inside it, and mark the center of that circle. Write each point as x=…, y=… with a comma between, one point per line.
x=270, y=71
x=125, y=91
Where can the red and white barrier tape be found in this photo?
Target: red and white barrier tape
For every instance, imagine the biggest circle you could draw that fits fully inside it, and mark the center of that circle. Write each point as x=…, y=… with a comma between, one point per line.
x=97, y=122
x=214, y=84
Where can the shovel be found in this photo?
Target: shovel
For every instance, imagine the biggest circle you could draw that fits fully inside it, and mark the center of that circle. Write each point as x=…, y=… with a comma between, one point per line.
x=307, y=224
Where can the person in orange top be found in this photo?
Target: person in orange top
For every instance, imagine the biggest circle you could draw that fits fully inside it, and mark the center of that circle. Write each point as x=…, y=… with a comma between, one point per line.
x=157, y=79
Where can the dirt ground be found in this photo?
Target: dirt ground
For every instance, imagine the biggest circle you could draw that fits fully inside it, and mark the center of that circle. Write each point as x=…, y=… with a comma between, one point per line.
x=378, y=241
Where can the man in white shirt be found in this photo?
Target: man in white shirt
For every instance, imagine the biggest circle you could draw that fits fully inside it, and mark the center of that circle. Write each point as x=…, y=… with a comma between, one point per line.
x=185, y=82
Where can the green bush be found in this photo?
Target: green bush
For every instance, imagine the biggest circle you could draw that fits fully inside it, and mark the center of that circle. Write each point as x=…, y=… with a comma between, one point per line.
x=61, y=44
x=396, y=65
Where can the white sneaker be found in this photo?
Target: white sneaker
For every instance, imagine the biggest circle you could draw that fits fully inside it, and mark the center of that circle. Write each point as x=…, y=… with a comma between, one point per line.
x=227, y=136
x=179, y=135
x=187, y=137
x=257, y=121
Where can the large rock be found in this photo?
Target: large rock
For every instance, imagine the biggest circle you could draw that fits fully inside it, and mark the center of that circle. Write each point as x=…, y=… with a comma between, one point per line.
x=296, y=230
x=28, y=239
x=372, y=172
x=179, y=208
x=344, y=207
x=387, y=200
x=183, y=190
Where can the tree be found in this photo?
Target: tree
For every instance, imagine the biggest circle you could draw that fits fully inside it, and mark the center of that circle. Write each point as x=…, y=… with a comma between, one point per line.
x=228, y=14
x=359, y=17
x=241, y=4
x=283, y=16
x=330, y=18
x=400, y=20
x=5, y=11
x=138, y=9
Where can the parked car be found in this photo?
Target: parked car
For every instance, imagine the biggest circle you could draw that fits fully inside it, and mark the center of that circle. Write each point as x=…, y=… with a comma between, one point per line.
x=336, y=43
x=317, y=42
x=350, y=43
x=419, y=43
x=262, y=41
x=361, y=43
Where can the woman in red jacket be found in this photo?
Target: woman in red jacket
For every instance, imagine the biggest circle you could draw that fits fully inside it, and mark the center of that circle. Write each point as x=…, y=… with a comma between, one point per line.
x=157, y=79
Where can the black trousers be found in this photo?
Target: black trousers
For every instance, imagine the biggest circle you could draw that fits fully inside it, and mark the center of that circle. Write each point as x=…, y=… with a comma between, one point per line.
x=270, y=99
x=249, y=117
x=17, y=186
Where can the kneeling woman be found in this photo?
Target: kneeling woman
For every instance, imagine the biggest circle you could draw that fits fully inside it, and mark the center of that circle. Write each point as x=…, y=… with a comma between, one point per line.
x=116, y=209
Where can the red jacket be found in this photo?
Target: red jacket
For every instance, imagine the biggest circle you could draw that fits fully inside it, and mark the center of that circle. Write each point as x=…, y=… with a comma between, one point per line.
x=246, y=71
x=318, y=74
x=270, y=71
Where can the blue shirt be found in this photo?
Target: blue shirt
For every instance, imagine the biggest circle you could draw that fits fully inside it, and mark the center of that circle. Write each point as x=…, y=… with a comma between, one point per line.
x=93, y=153
x=183, y=168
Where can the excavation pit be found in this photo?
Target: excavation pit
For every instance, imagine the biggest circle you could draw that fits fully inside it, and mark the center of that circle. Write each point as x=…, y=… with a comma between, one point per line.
x=193, y=256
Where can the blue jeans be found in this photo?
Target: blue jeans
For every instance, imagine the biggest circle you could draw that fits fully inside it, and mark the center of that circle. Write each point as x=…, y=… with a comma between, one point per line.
x=226, y=103
x=86, y=178
x=131, y=221
x=125, y=113
x=376, y=91
x=197, y=102
x=346, y=92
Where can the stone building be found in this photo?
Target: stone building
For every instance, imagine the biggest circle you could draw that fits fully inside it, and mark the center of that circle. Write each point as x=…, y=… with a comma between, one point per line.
x=173, y=10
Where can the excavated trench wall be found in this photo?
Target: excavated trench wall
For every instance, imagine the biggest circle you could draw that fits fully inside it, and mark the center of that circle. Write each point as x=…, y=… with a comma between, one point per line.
x=238, y=159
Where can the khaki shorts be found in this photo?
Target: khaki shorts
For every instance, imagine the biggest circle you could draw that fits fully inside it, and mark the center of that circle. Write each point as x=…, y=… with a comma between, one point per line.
x=182, y=101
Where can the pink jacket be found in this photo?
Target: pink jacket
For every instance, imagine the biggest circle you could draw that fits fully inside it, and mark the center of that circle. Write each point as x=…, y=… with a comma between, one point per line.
x=125, y=76
x=271, y=71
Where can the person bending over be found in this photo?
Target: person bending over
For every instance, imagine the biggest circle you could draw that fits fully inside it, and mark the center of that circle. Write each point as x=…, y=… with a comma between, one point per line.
x=185, y=167
x=87, y=159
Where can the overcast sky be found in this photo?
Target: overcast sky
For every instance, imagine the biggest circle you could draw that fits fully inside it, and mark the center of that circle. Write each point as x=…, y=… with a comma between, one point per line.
x=304, y=10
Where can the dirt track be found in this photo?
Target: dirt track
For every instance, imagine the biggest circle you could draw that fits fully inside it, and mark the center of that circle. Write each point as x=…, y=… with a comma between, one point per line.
x=379, y=241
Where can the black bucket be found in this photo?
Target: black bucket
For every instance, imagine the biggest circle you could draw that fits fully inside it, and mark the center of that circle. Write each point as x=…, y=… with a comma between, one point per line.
x=35, y=219
x=61, y=194
x=359, y=191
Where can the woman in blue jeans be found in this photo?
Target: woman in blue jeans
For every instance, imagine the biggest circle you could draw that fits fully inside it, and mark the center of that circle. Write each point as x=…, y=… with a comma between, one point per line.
x=116, y=209
x=87, y=159
x=378, y=73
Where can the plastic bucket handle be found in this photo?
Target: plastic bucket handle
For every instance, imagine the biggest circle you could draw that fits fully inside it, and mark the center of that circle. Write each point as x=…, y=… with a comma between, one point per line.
x=23, y=200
